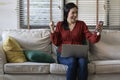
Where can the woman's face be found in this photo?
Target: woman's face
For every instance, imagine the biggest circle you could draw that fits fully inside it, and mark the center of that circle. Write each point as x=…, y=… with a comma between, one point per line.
x=72, y=15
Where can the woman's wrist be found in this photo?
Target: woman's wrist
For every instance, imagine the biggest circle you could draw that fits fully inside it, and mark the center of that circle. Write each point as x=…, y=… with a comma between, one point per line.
x=51, y=25
x=52, y=30
x=97, y=32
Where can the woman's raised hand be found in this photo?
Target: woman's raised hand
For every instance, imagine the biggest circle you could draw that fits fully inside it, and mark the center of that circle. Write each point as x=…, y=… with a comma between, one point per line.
x=99, y=27
x=51, y=25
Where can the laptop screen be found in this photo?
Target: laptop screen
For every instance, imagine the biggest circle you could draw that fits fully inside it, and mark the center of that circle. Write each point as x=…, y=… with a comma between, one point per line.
x=74, y=50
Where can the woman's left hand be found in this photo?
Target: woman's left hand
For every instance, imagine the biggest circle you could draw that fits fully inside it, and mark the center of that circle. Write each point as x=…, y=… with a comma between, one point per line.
x=99, y=27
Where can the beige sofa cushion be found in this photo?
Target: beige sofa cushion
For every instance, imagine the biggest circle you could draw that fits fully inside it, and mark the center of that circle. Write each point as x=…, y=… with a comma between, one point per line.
x=108, y=66
x=108, y=48
x=27, y=68
x=33, y=39
x=58, y=68
x=32, y=67
x=61, y=69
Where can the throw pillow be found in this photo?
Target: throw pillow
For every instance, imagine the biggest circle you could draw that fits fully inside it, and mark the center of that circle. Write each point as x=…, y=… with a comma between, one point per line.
x=14, y=52
x=39, y=56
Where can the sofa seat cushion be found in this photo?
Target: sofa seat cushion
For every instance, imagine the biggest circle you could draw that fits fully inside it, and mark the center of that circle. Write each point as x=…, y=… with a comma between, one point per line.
x=61, y=69
x=108, y=66
x=27, y=68
x=58, y=68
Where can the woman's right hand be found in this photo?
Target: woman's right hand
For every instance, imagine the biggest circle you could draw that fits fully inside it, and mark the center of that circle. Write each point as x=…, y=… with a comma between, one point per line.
x=51, y=25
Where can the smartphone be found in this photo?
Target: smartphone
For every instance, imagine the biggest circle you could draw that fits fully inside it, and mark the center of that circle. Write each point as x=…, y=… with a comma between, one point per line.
x=101, y=23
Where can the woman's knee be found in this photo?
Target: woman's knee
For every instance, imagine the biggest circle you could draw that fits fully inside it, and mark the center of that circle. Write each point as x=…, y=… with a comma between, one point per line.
x=72, y=62
x=82, y=61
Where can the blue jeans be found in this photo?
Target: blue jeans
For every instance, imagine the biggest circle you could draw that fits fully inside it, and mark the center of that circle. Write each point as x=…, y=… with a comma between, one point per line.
x=76, y=67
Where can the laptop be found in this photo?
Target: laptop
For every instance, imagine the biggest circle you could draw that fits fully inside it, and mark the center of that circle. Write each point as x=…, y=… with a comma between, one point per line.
x=71, y=50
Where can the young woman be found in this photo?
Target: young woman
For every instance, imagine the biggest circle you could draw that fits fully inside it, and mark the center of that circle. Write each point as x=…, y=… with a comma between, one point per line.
x=73, y=31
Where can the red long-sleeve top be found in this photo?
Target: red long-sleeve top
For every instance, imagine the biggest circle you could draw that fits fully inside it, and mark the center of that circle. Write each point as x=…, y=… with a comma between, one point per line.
x=76, y=36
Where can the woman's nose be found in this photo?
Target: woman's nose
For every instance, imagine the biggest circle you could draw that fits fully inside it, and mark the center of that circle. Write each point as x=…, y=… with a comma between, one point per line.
x=75, y=14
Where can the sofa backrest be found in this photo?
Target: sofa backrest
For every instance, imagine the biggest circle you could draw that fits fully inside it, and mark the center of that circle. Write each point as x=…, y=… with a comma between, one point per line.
x=34, y=39
x=108, y=48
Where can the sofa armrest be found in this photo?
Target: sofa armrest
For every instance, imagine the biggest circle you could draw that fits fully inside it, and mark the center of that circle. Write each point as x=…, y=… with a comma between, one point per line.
x=2, y=59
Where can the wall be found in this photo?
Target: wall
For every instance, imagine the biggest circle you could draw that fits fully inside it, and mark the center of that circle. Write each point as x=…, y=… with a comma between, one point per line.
x=8, y=14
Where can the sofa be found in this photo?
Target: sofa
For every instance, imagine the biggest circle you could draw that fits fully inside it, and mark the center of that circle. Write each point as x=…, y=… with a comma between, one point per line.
x=104, y=57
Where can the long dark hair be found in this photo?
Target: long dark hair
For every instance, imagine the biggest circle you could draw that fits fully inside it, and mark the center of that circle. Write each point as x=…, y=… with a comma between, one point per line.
x=67, y=8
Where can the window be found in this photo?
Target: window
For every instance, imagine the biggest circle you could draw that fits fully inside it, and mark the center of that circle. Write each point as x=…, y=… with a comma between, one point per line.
x=90, y=11
x=38, y=13
x=113, y=14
